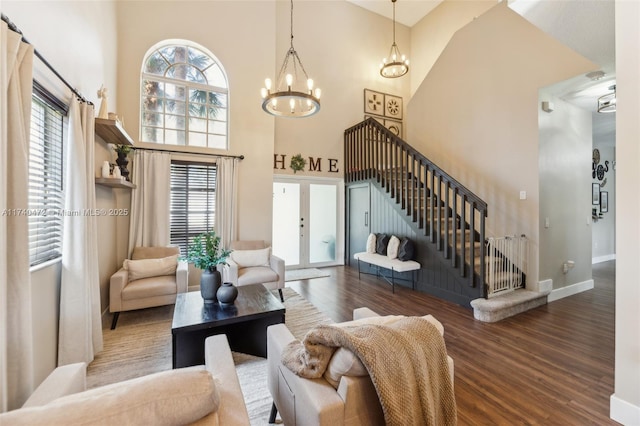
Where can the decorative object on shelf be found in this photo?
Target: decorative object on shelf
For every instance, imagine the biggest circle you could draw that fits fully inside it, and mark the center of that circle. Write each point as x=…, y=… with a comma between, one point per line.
x=227, y=294
x=206, y=253
x=116, y=172
x=293, y=100
x=102, y=94
x=398, y=64
x=106, y=169
x=607, y=103
x=297, y=163
x=122, y=161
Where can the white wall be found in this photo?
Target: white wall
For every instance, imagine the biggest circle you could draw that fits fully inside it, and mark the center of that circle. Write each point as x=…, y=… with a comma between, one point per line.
x=242, y=36
x=78, y=39
x=603, y=241
x=430, y=36
x=341, y=51
x=625, y=402
x=565, y=192
x=476, y=115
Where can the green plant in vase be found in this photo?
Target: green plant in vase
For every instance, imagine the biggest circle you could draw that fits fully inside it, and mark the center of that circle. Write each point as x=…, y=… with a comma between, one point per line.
x=206, y=253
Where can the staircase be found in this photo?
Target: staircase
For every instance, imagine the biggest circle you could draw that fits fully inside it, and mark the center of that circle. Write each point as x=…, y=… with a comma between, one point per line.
x=447, y=216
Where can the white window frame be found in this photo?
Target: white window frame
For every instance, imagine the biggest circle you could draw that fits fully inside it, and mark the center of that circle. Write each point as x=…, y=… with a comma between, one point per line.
x=144, y=76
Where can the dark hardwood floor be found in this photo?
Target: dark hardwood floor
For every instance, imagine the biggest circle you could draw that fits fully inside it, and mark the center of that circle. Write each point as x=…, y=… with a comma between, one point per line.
x=552, y=365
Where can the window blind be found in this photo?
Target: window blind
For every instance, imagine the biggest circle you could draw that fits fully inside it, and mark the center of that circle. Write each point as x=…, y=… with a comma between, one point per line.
x=46, y=200
x=193, y=201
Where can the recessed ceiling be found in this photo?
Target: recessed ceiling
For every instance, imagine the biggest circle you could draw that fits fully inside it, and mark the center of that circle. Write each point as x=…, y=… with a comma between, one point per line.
x=408, y=12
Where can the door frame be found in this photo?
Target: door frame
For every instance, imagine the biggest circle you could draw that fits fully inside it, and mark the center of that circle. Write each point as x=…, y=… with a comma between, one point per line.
x=340, y=218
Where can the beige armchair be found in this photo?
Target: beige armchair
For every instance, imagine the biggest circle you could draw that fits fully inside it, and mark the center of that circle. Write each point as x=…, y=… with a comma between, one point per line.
x=303, y=401
x=153, y=277
x=251, y=262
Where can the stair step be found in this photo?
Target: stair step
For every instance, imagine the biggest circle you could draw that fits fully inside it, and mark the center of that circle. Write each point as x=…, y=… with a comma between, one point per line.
x=507, y=305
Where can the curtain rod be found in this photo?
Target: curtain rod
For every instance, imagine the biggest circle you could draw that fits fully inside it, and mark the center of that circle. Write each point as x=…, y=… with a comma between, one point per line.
x=177, y=151
x=15, y=29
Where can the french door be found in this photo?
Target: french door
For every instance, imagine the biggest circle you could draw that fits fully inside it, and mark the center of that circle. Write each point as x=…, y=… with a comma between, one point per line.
x=307, y=227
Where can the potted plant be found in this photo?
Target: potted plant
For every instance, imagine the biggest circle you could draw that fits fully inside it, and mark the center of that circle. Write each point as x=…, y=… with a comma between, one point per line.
x=122, y=161
x=206, y=253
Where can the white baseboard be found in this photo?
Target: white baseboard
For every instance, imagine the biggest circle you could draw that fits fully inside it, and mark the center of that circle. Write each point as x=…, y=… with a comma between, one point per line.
x=601, y=259
x=624, y=412
x=570, y=290
x=544, y=286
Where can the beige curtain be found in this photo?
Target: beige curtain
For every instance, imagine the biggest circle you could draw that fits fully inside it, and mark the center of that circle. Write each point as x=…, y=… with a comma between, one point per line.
x=226, y=200
x=80, y=327
x=150, y=201
x=16, y=339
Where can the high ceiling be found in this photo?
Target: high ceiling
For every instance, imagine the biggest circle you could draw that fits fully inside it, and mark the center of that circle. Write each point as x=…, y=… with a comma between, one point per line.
x=408, y=12
x=586, y=26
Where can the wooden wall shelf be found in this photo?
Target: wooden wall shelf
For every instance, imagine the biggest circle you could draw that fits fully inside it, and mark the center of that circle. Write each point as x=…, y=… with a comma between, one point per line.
x=112, y=132
x=115, y=183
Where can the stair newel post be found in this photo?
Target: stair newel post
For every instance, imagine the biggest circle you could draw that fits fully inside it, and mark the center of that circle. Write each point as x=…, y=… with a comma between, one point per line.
x=439, y=216
x=483, y=252
x=394, y=162
x=432, y=203
x=472, y=243
x=454, y=224
x=385, y=162
x=447, y=215
x=405, y=177
x=425, y=189
x=345, y=152
x=415, y=196
x=376, y=157
x=463, y=234
x=369, y=152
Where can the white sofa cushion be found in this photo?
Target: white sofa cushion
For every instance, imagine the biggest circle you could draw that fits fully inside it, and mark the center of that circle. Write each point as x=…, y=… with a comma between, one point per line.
x=251, y=258
x=179, y=396
x=344, y=362
x=146, y=268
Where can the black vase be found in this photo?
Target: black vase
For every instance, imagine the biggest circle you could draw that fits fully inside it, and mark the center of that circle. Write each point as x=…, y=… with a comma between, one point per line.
x=122, y=161
x=209, y=285
x=227, y=294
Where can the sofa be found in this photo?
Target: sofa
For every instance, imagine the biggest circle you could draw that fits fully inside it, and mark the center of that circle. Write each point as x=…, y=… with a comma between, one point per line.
x=251, y=262
x=201, y=395
x=349, y=400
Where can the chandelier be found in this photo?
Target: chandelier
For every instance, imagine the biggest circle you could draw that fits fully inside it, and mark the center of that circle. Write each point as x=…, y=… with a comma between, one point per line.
x=607, y=103
x=399, y=64
x=293, y=97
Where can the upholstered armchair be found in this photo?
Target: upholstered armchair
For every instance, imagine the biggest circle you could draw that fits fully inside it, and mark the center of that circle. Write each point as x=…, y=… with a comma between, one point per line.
x=251, y=262
x=345, y=395
x=152, y=277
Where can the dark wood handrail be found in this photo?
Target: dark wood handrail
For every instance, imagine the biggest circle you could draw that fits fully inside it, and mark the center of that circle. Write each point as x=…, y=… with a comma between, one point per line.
x=450, y=214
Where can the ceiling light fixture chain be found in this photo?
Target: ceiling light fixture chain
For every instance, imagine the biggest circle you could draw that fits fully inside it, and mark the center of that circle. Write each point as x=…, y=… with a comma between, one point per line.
x=290, y=98
x=398, y=64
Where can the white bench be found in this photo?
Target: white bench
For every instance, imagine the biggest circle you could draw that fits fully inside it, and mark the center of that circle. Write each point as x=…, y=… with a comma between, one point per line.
x=395, y=265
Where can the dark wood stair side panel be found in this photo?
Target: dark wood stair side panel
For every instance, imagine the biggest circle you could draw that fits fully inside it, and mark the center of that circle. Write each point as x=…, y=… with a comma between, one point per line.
x=436, y=276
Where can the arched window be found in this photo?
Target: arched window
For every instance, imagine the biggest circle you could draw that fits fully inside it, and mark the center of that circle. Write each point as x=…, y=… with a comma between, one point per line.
x=184, y=97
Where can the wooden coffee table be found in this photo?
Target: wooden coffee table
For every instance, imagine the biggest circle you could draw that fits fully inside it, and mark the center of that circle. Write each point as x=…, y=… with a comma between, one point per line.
x=245, y=323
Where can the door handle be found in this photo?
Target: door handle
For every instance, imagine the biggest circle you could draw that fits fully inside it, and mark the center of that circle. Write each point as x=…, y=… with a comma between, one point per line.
x=366, y=218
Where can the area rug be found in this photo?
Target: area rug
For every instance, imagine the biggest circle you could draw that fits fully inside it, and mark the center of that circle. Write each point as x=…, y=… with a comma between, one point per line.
x=304, y=274
x=141, y=345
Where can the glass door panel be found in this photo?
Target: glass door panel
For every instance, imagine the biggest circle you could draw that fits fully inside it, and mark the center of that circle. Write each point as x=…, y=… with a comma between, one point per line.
x=286, y=218
x=322, y=223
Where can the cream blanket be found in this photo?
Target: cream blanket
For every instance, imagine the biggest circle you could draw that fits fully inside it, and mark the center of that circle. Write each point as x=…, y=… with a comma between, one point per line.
x=406, y=360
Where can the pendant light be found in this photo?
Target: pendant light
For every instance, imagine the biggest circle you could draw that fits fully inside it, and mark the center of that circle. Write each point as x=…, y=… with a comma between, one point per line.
x=398, y=64
x=607, y=103
x=294, y=95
